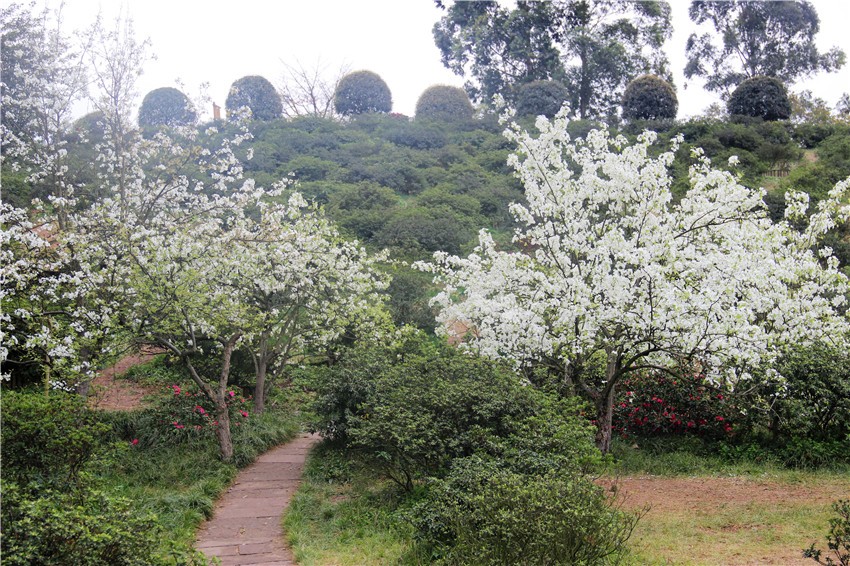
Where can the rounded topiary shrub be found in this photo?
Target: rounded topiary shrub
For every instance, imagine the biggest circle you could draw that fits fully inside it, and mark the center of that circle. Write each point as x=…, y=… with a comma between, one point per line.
x=649, y=97
x=166, y=106
x=362, y=92
x=443, y=102
x=760, y=97
x=257, y=94
x=541, y=98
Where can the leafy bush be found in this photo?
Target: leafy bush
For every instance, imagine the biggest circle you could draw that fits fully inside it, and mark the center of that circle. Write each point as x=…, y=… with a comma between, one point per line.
x=166, y=107
x=48, y=439
x=656, y=403
x=541, y=98
x=411, y=413
x=362, y=92
x=838, y=540
x=814, y=401
x=649, y=97
x=181, y=414
x=443, y=102
x=84, y=526
x=257, y=94
x=760, y=97
x=482, y=513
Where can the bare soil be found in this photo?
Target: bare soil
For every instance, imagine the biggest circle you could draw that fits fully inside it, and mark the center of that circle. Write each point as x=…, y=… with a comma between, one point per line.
x=111, y=393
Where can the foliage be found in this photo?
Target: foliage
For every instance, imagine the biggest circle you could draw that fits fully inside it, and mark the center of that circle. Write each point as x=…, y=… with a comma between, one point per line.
x=541, y=98
x=413, y=412
x=774, y=39
x=362, y=92
x=760, y=97
x=615, y=269
x=838, y=540
x=814, y=401
x=484, y=514
x=85, y=526
x=649, y=97
x=166, y=106
x=48, y=439
x=257, y=94
x=593, y=47
x=657, y=403
x=443, y=102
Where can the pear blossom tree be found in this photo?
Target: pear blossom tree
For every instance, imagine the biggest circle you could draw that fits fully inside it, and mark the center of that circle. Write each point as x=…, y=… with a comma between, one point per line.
x=307, y=286
x=613, y=269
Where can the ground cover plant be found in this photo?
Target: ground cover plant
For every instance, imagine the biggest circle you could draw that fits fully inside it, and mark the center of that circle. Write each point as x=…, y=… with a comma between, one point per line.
x=129, y=487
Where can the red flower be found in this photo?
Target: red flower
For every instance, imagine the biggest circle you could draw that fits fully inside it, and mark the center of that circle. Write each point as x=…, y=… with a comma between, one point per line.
x=176, y=389
x=718, y=418
x=177, y=425
x=135, y=441
x=244, y=414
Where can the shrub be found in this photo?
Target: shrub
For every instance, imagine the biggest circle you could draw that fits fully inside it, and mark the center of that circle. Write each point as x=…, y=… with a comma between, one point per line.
x=838, y=540
x=484, y=514
x=649, y=97
x=656, y=403
x=48, y=439
x=760, y=97
x=257, y=94
x=814, y=402
x=84, y=526
x=362, y=92
x=412, y=416
x=541, y=98
x=182, y=414
x=443, y=102
x=166, y=107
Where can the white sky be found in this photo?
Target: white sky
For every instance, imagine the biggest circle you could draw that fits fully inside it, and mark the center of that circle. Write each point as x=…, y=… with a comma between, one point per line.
x=201, y=41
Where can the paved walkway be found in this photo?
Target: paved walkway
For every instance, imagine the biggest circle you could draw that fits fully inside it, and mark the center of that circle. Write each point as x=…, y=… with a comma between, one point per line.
x=245, y=526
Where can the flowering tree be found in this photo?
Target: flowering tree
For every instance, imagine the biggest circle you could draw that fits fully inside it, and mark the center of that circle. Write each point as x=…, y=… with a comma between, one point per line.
x=615, y=271
x=308, y=286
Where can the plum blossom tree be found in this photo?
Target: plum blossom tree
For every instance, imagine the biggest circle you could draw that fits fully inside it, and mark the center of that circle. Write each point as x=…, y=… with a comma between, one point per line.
x=615, y=271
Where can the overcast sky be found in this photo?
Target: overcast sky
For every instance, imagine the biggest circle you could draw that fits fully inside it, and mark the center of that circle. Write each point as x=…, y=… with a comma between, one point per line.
x=200, y=41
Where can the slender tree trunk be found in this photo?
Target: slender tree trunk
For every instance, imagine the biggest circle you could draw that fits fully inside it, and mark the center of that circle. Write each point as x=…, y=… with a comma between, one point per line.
x=260, y=389
x=605, y=404
x=222, y=431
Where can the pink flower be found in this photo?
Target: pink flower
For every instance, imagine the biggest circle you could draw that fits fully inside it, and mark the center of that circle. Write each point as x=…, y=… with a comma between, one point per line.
x=718, y=418
x=200, y=409
x=135, y=441
x=244, y=414
x=176, y=389
x=177, y=425
x=231, y=393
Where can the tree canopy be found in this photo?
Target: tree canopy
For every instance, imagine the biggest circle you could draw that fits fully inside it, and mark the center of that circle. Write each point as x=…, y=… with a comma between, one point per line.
x=618, y=276
x=257, y=94
x=595, y=47
x=774, y=39
x=166, y=106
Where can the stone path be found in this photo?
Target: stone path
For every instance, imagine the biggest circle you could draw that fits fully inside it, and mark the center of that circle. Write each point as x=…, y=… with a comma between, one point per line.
x=245, y=526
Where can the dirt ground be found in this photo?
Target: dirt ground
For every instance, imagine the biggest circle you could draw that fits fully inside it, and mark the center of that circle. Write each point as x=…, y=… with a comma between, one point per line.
x=111, y=394
x=725, y=521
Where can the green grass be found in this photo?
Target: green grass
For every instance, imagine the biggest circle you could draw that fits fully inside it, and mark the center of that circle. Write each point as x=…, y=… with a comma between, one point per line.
x=344, y=514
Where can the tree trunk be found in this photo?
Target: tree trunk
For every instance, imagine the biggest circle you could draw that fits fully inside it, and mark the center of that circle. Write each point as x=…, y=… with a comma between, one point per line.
x=260, y=389
x=222, y=431
x=605, y=404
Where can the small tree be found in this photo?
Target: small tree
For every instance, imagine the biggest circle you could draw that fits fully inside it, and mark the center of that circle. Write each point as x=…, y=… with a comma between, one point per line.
x=649, y=97
x=760, y=97
x=257, y=94
x=620, y=279
x=541, y=98
x=444, y=102
x=362, y=92
x=166, y=106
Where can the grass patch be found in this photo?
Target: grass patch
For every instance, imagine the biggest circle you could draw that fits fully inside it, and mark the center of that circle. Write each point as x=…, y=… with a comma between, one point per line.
x=344, y=514
x=747, y=533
